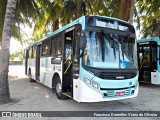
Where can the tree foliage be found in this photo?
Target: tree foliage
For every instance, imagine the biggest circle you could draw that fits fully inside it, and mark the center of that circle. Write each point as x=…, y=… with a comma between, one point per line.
x=47, y=15
x=148, y=17
x=17, y=54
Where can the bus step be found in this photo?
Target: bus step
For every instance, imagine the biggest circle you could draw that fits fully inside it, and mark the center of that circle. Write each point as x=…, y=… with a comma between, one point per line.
x=68, y=94
x=142, y=81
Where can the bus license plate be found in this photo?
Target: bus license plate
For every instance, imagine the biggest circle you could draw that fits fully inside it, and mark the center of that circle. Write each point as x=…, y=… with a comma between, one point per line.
x=120, y=93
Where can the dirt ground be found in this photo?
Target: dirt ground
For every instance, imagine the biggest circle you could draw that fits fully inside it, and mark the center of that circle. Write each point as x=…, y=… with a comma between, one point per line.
x=37, y=97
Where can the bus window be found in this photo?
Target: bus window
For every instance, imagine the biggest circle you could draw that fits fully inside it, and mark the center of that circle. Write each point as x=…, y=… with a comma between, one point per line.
x=34, y=51
x=153, y=56
x=46, y=48
x=30, y=52
x=57, y=45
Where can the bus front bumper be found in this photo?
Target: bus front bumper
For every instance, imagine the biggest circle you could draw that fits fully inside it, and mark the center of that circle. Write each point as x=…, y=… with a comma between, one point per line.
x=83, y=93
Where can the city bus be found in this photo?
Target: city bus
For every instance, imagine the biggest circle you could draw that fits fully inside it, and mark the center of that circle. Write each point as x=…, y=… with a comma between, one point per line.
x=148, y=60
x=91, y=59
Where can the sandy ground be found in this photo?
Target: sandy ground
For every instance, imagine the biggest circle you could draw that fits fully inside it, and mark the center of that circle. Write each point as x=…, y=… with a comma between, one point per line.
x=37, y=97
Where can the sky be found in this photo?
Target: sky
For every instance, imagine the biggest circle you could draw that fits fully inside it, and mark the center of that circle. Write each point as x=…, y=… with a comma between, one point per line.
x=15, y=45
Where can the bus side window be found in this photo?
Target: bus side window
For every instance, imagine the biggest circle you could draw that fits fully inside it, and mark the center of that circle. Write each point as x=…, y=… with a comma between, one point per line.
x=57, y=45
x=30, y=52
x=53, y=47
x=46, y=48
x=34, y=51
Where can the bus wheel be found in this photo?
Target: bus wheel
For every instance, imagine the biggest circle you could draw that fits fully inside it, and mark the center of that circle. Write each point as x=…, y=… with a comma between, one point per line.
x=58, y=89
x=29, y=75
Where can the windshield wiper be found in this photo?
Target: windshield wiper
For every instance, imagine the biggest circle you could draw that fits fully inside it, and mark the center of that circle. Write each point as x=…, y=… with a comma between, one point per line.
x=107, y=35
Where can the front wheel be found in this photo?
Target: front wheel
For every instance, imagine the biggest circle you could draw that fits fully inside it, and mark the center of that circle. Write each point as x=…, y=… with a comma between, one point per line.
x=58, y=89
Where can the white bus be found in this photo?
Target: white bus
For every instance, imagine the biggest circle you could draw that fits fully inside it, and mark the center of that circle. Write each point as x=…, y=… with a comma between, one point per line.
x=91, y=59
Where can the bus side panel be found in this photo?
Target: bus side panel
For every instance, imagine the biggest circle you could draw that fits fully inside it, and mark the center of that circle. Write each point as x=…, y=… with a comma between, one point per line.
x=155, y=76
x=47, y=70
x=31, y=66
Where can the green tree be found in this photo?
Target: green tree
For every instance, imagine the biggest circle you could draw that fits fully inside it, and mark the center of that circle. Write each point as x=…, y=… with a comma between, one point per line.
x=25, y=11
x=17, y=54
x=148, y=17
x=4, y=58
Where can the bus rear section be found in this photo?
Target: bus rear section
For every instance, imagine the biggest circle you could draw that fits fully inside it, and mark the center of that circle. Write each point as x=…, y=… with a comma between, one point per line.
x=148, y=59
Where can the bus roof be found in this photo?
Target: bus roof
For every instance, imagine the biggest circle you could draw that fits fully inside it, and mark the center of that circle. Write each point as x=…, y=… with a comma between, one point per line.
x=157, y=39
x=77, y=21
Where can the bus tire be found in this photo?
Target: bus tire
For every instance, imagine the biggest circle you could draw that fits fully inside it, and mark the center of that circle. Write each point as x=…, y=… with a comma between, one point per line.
x=29, y=75
x=58, y=89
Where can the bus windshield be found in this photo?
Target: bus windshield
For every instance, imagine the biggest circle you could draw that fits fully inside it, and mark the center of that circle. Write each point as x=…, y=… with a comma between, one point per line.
x=109, y=51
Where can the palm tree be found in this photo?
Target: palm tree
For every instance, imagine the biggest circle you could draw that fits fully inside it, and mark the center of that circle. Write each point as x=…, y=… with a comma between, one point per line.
x=4, y=58
x=25, y=11
x=3, y=4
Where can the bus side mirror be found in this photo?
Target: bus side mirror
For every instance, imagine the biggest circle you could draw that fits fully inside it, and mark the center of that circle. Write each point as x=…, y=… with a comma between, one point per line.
x=56, y=60
x=82, y=43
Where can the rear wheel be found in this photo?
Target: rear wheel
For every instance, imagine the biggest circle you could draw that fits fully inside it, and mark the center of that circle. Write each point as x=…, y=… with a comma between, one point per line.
x=58, y=89
x=29, y=75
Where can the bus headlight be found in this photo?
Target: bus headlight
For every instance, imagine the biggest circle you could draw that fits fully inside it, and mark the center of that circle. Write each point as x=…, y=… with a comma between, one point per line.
x=92, y=83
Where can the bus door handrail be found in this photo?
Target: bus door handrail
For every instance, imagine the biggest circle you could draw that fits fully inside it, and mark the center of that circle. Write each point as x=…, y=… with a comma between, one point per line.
x=67, y=68
x=66, y=62
x=68, y=57
x=141, y=62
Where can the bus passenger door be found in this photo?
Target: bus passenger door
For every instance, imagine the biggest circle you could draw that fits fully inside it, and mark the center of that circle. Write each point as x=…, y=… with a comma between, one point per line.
x=67, y=63
x=147, y=61
x=38, y=62
x=144, y=62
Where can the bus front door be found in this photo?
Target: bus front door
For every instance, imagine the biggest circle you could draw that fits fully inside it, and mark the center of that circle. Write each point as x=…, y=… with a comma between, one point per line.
x=67, y=64
x=38, y=62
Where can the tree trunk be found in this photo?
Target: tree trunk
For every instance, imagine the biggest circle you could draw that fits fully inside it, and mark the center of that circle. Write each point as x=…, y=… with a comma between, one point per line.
x=55, y=24
x=5, y=50
x=131, y=11
x=3, y=4
x=123, y=9
x=79, y=8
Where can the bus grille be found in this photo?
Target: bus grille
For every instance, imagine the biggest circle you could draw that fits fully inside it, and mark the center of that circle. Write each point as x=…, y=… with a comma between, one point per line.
x=115, y=76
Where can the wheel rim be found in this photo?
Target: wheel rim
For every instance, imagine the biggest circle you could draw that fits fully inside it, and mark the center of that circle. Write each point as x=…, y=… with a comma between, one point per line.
x=58, y=88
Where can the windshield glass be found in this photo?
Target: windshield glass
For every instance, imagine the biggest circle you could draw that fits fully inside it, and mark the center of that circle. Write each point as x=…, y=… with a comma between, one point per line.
x=109, y=51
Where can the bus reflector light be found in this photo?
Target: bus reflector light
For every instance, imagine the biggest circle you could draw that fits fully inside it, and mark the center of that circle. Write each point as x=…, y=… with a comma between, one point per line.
x=76, y=86
x=120, y=93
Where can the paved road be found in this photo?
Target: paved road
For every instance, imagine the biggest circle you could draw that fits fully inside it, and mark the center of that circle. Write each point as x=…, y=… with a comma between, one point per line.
x=37, y=97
